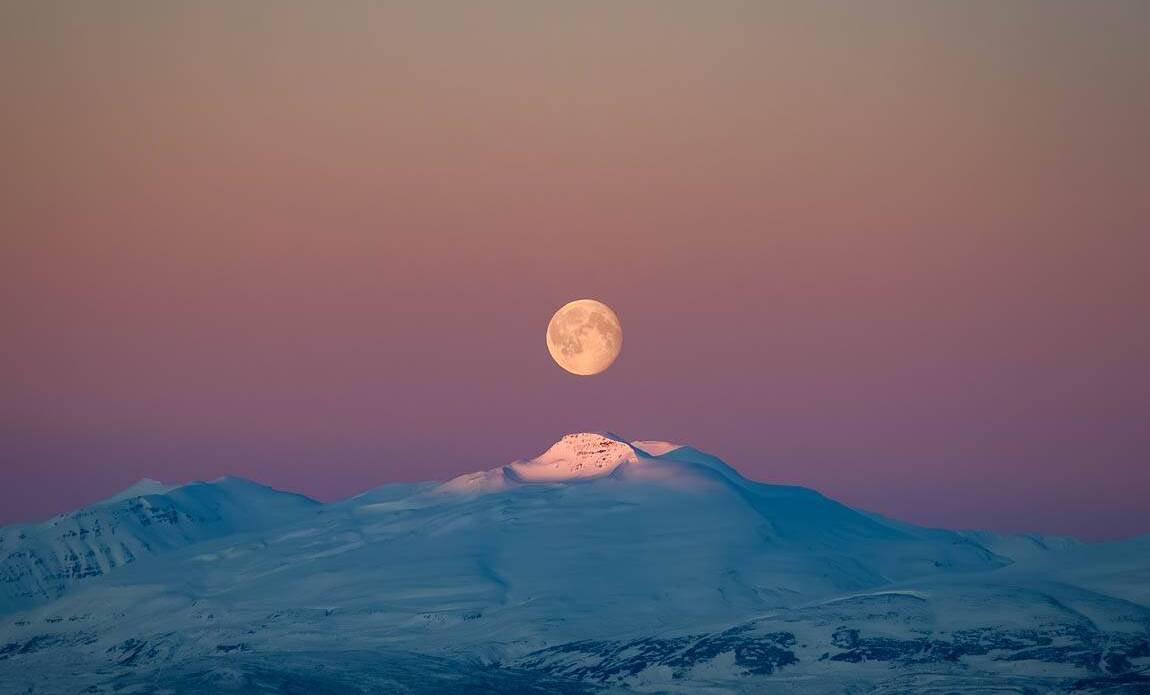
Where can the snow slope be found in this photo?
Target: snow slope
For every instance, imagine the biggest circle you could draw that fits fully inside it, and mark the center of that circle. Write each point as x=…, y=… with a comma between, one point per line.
x=597, y=564
x=40, y=562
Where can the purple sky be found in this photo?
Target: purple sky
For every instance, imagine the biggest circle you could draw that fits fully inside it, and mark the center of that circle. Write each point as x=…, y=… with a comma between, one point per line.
x=895, y=251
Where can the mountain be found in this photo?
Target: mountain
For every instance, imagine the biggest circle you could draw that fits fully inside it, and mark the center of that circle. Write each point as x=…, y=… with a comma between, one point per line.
x=599, y=565
x=41, y=562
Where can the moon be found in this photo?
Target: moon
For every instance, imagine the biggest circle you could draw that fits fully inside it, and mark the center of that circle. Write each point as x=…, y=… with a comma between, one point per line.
x=584, y=337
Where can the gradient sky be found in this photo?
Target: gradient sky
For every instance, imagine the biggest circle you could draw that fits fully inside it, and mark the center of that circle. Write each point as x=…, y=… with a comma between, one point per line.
x=895, y=251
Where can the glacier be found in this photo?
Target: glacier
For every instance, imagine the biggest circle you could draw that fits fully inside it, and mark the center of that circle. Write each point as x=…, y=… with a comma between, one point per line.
x=601, y=565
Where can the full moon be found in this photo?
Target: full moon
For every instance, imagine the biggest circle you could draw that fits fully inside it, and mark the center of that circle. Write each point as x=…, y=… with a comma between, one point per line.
x=584, y=337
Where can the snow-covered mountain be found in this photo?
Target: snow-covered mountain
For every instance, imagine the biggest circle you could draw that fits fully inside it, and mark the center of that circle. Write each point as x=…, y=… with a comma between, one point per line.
x=597, y=565
x=40, y=562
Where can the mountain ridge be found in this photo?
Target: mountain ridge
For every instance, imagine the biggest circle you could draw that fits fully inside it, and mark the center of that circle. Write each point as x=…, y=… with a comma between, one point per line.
x=42, y=561
x=599, y=563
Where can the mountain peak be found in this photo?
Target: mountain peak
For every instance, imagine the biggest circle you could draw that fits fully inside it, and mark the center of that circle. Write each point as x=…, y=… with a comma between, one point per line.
x=578, y=456
x=143, y=486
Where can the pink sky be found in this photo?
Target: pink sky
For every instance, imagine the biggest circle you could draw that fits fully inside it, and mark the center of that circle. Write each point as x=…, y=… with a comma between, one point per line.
x=895, y=251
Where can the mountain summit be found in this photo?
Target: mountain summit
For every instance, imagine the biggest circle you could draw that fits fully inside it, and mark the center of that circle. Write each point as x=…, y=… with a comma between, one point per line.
x=582, y=456
x=142, y=487
x=642, y=566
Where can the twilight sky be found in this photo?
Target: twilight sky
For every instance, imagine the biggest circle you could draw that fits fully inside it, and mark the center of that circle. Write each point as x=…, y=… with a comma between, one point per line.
x=896, y=251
